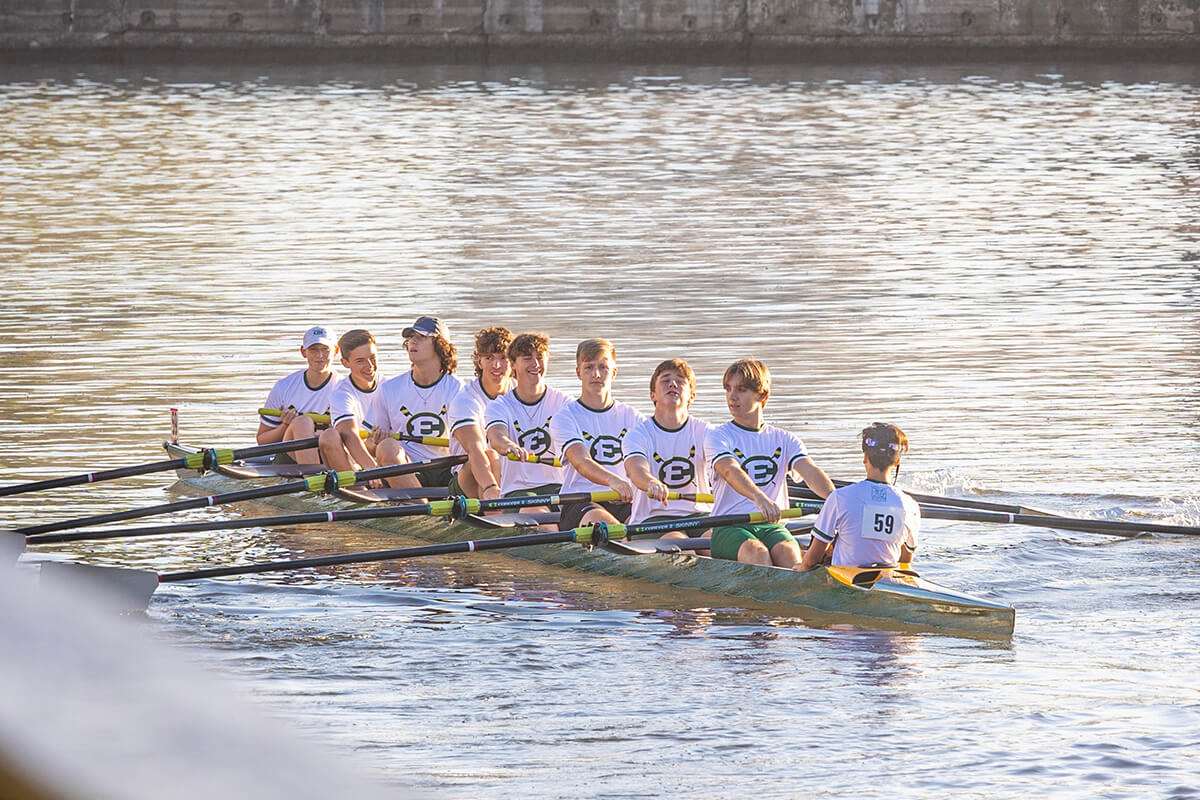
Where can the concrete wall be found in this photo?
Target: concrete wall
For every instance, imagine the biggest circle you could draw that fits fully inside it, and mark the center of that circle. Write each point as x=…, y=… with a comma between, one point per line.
x=601, y=29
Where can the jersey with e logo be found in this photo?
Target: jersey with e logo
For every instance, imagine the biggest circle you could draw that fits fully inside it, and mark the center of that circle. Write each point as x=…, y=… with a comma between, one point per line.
x=604, y=449
x=766, y=456
x=600, y=433
x=424, y=423
x=676, y=457
x=535, y=440
x=420, y=411
x=530, y=427
x=677, y=472
x=761, y=469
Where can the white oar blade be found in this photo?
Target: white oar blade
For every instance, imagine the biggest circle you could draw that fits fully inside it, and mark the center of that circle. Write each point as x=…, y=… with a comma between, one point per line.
x=11, y=546
x=121, y=589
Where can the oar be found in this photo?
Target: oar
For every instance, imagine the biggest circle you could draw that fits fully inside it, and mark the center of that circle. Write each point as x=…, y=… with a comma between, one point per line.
x=136, y=586
x=203, y=460
x=455, y=506
x=324, y=482
x=1126, y=529
x=953, y=502
x=429, y=441
x=1044, y=520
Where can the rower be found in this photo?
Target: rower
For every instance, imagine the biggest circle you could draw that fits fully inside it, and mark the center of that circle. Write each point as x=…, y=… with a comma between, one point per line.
x=869, y=523
x=305, y=391
x=418, y=403
x=750, y=462
x=480, y=476
x=517, y=424
x=355, y=405
x=590, y=432
x=666, y=452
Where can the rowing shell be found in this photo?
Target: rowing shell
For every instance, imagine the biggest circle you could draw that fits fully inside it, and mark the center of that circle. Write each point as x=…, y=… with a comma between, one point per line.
x=892, y=596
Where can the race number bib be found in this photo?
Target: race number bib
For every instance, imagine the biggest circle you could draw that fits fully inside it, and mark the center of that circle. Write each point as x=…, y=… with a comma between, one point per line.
x=884, y=523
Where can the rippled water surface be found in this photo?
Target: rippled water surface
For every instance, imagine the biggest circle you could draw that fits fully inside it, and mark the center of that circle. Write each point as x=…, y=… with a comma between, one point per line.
x=1003, y=260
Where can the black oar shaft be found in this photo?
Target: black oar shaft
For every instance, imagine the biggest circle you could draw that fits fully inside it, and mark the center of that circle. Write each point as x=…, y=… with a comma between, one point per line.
x=503, y=503
x=166, y=508
x=1127, y=529
x=157, y=466
x=378, y=555
x=416, y=510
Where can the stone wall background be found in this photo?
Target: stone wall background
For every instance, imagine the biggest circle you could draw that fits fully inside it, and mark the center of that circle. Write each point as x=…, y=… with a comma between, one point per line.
x=605, y=29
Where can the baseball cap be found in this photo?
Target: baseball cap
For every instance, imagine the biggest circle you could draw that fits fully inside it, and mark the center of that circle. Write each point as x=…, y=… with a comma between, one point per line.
x=427, y=326
x=318, y=335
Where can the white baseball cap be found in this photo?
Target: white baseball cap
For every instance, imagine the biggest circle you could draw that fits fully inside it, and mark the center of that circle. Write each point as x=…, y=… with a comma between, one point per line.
x=318, y=335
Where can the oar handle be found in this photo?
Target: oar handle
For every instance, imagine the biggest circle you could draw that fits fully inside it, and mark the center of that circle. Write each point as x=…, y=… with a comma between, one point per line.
x=430, y=441
x=536, y=459
x=694, y=523
x=278, y=412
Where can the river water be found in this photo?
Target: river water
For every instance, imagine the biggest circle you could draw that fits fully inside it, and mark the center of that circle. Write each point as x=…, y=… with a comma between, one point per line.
x=1004, y=260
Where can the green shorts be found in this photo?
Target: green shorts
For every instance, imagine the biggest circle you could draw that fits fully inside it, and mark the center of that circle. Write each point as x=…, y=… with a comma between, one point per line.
x=454, y=488
x=438, y=476
x=534, y=491
x=728, y=540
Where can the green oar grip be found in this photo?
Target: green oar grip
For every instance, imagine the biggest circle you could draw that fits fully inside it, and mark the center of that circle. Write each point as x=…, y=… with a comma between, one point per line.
x=317, y=483
x=208, y=459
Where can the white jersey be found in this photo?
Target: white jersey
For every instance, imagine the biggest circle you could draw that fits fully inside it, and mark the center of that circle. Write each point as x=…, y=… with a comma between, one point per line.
x=528, y=426
x=600, y=433
x=677, y=458
x=417, y=410
x=348, y=401
x=767, y=455
x=868, y=522
x=467, y=408
x=293, y=391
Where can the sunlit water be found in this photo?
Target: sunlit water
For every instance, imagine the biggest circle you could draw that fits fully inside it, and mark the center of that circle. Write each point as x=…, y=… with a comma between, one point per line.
x=1005, y=261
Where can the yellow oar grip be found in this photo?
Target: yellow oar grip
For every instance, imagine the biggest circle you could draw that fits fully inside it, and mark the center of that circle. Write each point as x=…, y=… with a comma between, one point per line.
x=441, y=508
x=786, y=513
x=275, y=412
x=428, y=441
x=700, y=498
x=435, y=441
x=532, y=459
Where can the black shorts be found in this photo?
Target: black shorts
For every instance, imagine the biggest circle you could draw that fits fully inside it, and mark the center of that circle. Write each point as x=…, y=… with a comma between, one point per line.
x=572, y=513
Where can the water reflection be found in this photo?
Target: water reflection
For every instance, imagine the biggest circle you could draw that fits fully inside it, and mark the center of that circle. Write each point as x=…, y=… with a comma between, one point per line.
x=999, y=257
